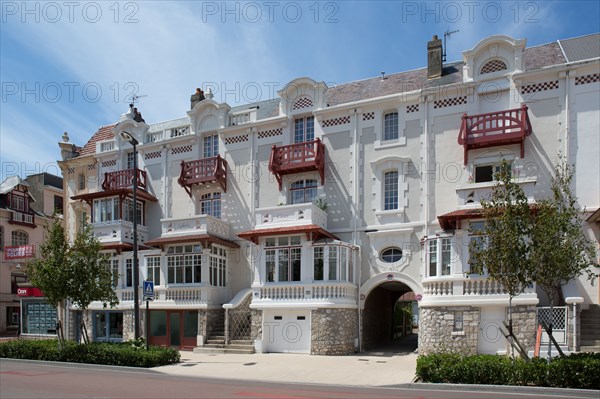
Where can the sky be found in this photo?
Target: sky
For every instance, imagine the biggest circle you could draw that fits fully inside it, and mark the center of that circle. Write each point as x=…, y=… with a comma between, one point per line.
x=73, y=66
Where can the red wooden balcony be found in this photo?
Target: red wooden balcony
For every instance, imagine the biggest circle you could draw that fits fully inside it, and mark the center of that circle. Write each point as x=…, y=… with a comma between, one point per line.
x=494, y=129
x=297, y=158
x=123, y=179
x=203, y=171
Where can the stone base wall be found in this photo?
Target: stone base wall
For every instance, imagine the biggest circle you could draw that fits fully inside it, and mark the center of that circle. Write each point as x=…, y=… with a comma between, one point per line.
x=436, y=330
x=570, y=327
x=524, y=326
x=333, y=331
x=256, y=326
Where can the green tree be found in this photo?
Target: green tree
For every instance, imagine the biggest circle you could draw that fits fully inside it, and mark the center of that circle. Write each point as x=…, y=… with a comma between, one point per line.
x=560, y=251
x=503, y=250
x=49, y=272
x=78, y=272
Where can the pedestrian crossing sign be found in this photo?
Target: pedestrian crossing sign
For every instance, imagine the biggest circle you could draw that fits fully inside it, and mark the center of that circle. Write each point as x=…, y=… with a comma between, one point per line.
x=148, y=290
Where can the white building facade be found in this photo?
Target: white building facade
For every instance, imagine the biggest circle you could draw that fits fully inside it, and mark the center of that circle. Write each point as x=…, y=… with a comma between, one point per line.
x=295, y=224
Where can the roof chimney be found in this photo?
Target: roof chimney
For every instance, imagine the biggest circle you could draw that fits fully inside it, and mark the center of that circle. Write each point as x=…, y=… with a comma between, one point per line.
x=434, y=58
x=196, y=98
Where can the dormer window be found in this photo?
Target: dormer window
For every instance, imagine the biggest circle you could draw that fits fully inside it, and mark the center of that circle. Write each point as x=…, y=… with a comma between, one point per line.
x=493, y=66
x=304, y=129
x=390, y=126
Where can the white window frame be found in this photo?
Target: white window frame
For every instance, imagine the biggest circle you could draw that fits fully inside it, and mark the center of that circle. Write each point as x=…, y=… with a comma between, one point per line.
x=380, y=167
x=277, y=247
x=305, y=131
x=184, y=257
x=210, y=204
x=343, y=268
x=153, y=269
x=305, y=189
x=19, y=238
x=210, y=145
x=391, y=127
x=391, y=190
x=217, y=263
x=436, y=248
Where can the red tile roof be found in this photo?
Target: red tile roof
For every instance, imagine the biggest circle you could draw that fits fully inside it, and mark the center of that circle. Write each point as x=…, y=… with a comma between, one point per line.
x=142, y=194
x=161, y=241
x=104, y=133
x=449, y=221
x=252, y=235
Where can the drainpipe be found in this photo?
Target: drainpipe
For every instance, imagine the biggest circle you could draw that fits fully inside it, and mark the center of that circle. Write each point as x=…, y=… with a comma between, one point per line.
x=567, y=138
x=426, y=166
x=355, y=226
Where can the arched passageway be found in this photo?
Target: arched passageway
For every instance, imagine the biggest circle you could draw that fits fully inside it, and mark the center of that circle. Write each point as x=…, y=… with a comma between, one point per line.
x=384, y=321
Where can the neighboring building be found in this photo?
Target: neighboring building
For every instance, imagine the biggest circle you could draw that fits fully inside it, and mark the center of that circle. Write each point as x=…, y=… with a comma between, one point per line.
x=25, y=208
x=297, y=223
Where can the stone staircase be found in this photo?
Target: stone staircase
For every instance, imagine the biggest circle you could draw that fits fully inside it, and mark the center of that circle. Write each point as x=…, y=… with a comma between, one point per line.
x=590, y=329
x=215, y=342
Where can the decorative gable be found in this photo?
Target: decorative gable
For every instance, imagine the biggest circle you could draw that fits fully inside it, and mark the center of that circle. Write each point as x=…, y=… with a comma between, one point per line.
x=493, y=56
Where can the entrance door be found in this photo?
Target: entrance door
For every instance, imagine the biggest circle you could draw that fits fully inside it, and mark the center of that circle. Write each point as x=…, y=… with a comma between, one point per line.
x=176, y=328
x=490, y=339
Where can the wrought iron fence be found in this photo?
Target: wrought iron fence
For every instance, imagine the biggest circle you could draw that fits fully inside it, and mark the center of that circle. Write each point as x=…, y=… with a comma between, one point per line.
x=558, y=318
x=238, y=321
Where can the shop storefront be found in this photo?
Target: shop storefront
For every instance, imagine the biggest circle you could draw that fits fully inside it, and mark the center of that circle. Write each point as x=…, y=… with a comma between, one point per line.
x=177, y=328
x=38, y=317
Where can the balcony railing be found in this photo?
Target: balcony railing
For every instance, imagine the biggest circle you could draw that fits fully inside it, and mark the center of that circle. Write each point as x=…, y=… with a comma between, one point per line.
x=118, y=231
x=124, y=179
x=202, y=224
x=202, y=171
x=328, y=290
x=291, y=215
x=470, y=195
x=25, y=219
x=463, y=288
x=295, y=158
x=494, y=128
x=181, y=295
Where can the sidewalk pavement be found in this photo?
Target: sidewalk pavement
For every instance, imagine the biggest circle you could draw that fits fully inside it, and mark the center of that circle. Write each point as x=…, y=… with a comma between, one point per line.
x=361, y=369
x=389, y=365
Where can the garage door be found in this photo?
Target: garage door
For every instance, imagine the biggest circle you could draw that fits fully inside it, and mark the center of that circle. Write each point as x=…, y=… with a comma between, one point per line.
x=286, y=331
x=490, y=339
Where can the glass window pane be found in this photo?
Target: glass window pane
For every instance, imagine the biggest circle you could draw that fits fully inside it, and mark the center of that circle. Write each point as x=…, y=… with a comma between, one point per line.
x=318, y=263
x=283, y=262
x=432, y=258
x=190, y=323
x=333, y=263
x=270, y=265
x=158, y=323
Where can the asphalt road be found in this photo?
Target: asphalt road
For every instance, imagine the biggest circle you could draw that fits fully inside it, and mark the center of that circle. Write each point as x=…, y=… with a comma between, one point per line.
x=25, y=380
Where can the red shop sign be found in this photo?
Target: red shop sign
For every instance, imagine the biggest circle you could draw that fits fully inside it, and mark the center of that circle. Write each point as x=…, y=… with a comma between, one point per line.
x=29, y=291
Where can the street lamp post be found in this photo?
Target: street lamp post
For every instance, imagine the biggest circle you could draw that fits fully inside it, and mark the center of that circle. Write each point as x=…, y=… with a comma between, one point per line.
x=136, y=269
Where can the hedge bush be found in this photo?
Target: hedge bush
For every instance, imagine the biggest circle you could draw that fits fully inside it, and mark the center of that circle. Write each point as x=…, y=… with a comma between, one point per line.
x=579, y=370
x=114, y=354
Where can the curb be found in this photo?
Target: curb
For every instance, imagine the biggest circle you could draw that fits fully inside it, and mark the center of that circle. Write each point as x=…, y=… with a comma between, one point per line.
x=76, y=365
x=561, y=392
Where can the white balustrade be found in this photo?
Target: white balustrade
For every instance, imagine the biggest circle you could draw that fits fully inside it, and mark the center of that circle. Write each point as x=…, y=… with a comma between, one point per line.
x=153, y=137
x=118, y=231
x=201, y=224
x=291, y=215
x=470, y=195
x=179, y=131
x=308, y=291
x=438, y=288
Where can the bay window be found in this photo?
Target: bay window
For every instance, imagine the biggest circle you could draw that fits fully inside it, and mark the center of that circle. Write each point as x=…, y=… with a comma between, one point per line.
x=333, y=262
x=106, y=210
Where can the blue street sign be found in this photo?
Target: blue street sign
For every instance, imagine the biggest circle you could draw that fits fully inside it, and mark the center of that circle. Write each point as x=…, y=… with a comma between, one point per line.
x=148, y=290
